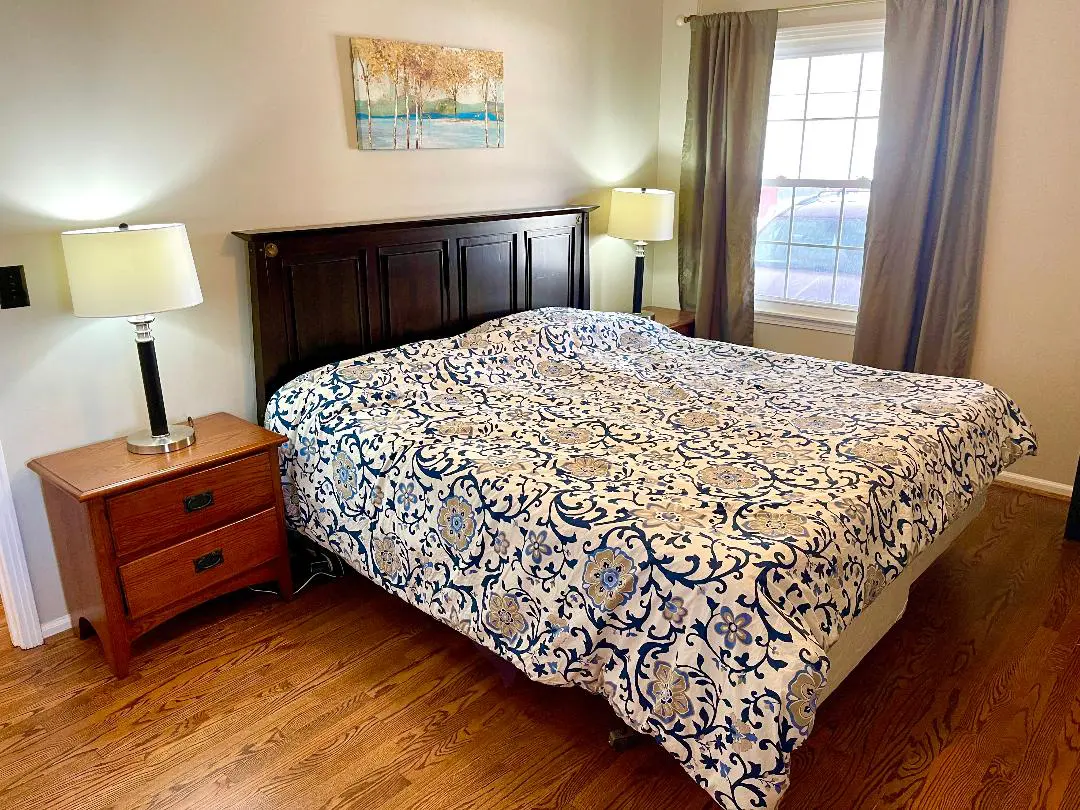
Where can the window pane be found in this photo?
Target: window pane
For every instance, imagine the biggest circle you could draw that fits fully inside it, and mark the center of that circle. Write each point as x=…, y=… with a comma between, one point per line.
x=849, y=277
x=823, y=125
x=856, y=204
x=810, y=274
x=862, y=158
x=786, y=108
x=835, y=74
x=826, y=149
x=770, y=265
x=869, y=103
x=782, y=149
x=817, y=217
x=831, y=105
x=774, y=214
x=871, y=71
x=789, y=76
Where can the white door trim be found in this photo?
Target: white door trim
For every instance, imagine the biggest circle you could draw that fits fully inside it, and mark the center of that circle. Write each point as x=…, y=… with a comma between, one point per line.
x=16, y=592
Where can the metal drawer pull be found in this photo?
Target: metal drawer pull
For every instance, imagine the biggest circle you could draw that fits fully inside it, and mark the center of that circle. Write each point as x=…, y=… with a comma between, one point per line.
x=208, y=561
x=193, y=503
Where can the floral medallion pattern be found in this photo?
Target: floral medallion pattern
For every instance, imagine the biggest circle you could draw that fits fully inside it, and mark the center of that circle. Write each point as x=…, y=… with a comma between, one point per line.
x=344, y=473
x=670, y=516
x=673, y=609
x=609, y=578
x=457, y=522
x=386, y=557
x=732, y=628
x=775, y=523
x=667, y=691
x=695, y=419
x=504, y=616
x=587, y=467
x=802, y=697
x=682, y=526
x=727, y=477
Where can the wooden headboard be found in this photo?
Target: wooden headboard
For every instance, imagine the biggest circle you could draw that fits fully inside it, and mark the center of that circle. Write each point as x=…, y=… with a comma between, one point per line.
x=326, y=293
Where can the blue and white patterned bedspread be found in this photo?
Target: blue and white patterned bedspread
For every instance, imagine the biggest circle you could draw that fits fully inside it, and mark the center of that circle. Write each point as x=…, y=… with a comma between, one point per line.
x=680, y=525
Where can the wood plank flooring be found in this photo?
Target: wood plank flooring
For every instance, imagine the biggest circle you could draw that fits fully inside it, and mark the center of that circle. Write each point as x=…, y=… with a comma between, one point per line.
x=348, y=698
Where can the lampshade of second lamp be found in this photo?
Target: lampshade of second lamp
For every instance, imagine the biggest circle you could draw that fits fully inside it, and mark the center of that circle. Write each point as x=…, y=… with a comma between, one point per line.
x=641, y=215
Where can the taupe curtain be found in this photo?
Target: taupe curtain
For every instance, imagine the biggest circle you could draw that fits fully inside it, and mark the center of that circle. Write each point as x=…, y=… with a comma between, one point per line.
x=931, y=183
x=731, y=58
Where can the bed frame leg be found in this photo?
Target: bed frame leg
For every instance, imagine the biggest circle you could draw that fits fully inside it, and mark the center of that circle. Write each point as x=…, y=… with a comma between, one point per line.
x=508, y=673
x=624, y=738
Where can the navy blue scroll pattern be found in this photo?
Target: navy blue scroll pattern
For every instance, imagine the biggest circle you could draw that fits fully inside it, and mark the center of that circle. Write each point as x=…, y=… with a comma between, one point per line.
x=682, y=526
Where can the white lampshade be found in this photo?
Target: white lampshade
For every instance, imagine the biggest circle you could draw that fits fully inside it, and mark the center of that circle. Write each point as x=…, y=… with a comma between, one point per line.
x=130, y=270
x=642, y=214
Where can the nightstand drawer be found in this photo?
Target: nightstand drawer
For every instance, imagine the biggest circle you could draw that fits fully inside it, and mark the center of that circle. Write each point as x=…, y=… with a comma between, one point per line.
x=190, y=504
x=169, y=575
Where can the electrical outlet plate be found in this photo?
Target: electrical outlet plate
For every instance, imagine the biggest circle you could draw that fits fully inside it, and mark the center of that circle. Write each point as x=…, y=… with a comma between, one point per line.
x=13, y=292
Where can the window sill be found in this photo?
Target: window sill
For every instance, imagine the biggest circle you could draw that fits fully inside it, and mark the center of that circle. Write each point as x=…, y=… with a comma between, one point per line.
x=821, y=319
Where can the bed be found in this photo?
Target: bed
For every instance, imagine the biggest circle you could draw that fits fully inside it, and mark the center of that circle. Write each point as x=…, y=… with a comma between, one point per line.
x=709, y=536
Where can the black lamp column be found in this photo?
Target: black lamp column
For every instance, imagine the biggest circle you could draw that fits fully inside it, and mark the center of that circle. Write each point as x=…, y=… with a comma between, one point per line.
x=151, y=379
x=162, y=437
x=639, y=273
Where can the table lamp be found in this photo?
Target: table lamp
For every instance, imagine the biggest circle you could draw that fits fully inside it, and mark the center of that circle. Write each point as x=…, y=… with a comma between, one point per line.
x=643, y=215
x=135, y=272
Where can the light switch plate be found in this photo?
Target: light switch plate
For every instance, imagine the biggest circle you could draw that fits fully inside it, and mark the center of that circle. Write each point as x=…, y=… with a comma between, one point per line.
x=13, y=292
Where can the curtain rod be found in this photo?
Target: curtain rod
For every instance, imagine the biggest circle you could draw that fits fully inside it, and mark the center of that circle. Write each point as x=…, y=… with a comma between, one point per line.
x=834, y=4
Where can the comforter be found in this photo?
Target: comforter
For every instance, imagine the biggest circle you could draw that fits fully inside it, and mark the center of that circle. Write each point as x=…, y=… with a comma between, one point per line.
x=682, y=526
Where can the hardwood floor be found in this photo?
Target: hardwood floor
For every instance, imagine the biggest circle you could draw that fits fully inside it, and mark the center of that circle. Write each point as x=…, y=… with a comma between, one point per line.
x=347, y=698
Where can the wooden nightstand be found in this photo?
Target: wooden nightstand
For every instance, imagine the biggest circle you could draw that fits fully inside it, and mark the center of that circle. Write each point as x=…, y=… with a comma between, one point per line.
x=679, y=320
x=142, y=538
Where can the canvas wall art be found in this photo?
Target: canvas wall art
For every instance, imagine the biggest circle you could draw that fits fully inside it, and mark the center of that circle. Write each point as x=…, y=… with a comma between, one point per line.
x=415, y=96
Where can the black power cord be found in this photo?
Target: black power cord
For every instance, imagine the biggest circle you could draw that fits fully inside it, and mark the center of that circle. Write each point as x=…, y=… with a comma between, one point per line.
x=309, y=562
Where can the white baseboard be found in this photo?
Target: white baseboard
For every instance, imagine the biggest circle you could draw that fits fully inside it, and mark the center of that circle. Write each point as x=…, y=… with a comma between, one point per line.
x=1037, y=484
x=56, y=626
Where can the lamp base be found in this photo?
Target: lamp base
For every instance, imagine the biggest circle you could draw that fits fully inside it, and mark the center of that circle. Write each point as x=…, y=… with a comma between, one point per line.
x=144, y=443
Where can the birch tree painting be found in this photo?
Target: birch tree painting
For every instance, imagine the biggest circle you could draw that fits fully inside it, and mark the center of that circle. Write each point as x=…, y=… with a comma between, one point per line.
x=414, y=96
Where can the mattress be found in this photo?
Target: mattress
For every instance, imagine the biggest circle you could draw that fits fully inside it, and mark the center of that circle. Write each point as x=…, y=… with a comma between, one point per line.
x=879, y=617
x=685, y=527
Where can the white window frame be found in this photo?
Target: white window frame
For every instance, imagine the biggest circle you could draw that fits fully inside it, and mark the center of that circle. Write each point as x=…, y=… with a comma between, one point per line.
x=820, y=40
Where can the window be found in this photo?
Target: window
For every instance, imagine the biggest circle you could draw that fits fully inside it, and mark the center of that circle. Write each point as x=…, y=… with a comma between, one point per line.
x=819, y=164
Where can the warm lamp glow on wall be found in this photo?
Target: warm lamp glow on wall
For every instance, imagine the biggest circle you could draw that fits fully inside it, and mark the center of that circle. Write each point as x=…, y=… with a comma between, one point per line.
x=643, y=215
x=135, y=272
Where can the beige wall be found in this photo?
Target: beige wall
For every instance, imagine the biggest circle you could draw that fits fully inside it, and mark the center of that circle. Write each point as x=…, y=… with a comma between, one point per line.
x=663, y=281
x=231, y=115
x=1027, y=341
x=810, y=342
x=1028, y=332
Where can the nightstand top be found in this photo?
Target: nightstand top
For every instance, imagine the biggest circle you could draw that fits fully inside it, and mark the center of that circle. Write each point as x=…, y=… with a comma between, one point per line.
x=674, y=318
x=107, y=468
